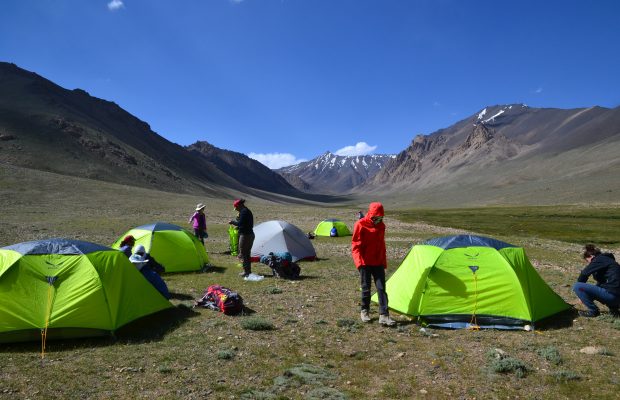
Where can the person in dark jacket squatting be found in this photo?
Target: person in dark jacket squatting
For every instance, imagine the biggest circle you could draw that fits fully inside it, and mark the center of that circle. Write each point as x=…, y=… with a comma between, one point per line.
x=606, y=272
x=369, y=256
x=245, y=223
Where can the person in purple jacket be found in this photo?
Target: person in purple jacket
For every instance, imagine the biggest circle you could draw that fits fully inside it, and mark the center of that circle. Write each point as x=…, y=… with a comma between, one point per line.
x=199, y=222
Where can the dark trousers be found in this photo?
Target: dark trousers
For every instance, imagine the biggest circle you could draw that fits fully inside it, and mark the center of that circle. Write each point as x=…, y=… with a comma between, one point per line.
x=368, y=273
x=200, y=235
x=245, y=247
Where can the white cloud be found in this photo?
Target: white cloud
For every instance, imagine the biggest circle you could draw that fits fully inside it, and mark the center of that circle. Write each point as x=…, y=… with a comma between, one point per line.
x=115, y=5
x=276, y=160
x=360, y=149
x=436, y=104
x=539, y=90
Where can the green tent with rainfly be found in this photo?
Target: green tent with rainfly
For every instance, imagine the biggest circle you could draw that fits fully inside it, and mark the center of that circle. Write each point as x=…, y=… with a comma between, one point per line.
x=325, y=226
x=467, y=281
x=61, y=288
x=175, y=248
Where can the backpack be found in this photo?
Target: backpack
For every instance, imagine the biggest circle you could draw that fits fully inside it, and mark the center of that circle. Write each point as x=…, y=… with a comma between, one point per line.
x=333, y=232
x=222, y=299
x=281, y=267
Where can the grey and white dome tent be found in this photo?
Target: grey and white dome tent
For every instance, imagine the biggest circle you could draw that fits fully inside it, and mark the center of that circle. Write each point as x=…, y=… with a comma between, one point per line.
x=281, y=237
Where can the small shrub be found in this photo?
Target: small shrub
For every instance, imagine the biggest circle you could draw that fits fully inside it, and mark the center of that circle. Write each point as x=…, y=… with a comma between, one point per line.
x=605, y=352
x=257, y=324
x=345, y=322
x=551, y=354
x=402, y=329
x=225, y=354
x=258, y=395
x=321, y=322
x=325, y=393
x=274, y=290
x=616, y=323
x=164, y=369
x=509, y=365
x=348, y=324
x=306, y=373
x=565, y=376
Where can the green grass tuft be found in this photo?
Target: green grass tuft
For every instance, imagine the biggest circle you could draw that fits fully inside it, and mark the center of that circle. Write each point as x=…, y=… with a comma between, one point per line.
x=257, y=324
x=565, y=376
x=226, y=354
x=551, y=354
x=274, y=290
x=325, y=393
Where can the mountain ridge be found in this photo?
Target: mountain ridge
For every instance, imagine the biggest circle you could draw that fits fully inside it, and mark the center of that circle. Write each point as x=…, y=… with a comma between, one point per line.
x=47, y=127
x=508, y=154
x=331, y=173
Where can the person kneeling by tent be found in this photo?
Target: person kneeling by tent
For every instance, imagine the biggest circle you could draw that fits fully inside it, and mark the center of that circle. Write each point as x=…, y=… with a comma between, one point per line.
x=606, y=271
x=150, y=269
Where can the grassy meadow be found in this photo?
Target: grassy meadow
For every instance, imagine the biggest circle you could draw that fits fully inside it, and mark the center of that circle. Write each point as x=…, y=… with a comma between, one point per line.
x=303, y=339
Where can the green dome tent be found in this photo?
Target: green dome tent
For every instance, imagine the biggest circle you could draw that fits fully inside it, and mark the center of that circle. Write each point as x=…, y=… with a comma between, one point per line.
x=68, y=288
x=175, y=248
x=323, y=228
x=471, y=281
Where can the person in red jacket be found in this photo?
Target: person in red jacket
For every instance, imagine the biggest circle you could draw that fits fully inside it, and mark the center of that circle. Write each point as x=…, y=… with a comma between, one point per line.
x=369, y=256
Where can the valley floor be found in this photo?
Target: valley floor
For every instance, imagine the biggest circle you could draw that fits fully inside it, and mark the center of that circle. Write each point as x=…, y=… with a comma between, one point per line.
x=318, y=348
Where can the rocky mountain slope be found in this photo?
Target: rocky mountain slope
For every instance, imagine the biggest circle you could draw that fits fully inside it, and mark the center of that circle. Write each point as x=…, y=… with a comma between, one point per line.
x=243, y=169
x=330, y=173
x=46, y=127
x=510, y=154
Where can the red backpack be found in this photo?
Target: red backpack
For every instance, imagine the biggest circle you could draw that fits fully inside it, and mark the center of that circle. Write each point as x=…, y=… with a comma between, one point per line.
x=222, y=299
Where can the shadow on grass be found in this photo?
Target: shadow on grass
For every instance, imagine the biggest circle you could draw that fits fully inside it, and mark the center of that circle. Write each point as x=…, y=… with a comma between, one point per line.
x=307, y=277
x=148, y=328
x=247, y=311
x=180, y=296
x=558, y=321
x=155, y=326
x=215, y=270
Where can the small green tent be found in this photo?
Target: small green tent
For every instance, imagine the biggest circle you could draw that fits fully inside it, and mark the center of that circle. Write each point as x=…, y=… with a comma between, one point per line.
x=72, y=288
x=471, y=281
x=325, y=226
x=175, y=248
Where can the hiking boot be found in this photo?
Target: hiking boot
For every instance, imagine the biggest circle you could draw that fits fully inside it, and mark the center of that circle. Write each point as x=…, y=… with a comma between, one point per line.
x=386, y=320
x=589, y=313
x=243, y=274
x=364, y=316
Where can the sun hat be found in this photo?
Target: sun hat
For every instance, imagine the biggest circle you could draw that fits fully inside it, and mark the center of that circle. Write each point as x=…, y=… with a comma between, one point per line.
x=200, y=206
x=139, y=260
x=140, y=249
x=238, y=202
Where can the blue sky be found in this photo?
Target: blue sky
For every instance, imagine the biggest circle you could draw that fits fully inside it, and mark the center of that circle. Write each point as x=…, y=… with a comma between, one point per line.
x=287, y=80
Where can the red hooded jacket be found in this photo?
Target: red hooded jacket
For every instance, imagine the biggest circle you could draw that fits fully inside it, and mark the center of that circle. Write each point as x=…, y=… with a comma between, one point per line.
x=368, y=243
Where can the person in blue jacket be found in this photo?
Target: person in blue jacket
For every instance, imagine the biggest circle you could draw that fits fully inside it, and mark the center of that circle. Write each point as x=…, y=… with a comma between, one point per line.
x=606, y=272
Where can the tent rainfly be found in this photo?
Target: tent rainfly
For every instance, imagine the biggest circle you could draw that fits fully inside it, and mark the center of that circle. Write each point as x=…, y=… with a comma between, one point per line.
x=280, y=237
x=175, y=248
x=61, y=288
x=324, y=227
